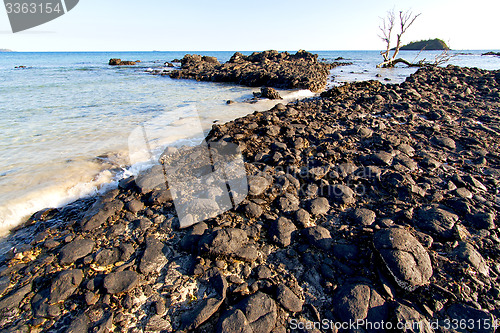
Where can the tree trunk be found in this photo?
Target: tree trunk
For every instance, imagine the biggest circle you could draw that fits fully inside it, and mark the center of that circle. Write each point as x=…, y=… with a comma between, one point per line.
x=391, y=62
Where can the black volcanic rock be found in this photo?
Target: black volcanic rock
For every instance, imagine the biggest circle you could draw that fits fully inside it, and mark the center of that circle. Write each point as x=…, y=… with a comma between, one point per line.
x=217, y=286
x=359, y=302
x=260, y=310
x=119, y=62
x=437, y=221
x=65, y=285
x=312, y=166
x=288, y=299
x=301, y=70
x=120, y=282
x=75, y=250
x=155, y=256
x=12, y=300
x=405, y=258
x=231, y=242
x=319, y=237
x=99, y=214
x=281, y=231
x=270, y=93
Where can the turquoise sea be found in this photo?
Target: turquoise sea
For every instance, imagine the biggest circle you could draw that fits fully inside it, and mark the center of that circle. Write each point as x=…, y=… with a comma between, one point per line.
x=66, y=117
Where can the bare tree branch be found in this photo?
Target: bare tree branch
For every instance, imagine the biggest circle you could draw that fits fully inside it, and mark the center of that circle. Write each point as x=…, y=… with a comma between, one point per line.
x=442, y=58
x=406, y=19
x=386, y=29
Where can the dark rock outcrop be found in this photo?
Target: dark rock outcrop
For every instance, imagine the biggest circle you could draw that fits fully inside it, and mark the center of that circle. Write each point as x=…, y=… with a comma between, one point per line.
x=270, y=93
x=119, y=62
x=301, y=70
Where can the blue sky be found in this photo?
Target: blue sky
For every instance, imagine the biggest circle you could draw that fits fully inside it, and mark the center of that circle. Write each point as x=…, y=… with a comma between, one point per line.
x=166, y=25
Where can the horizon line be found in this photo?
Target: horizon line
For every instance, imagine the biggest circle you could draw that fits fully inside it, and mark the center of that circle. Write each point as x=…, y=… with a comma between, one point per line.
x=323, y=50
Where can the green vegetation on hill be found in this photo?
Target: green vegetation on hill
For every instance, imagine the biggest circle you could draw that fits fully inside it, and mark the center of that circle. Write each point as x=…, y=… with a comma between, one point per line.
x=429, y=45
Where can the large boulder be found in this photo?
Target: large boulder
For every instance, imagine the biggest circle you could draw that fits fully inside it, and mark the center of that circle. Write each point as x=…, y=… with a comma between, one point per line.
x=404, y=257
x=359, y=302
x=260, y=311
x=216, y=285
x=437, y=221
x=114, y=61
x=190, y=58
x=75, y=250
x=121, y=282
x=212, y=60
x=229, y=242
x=155, y=256
x=65, y=284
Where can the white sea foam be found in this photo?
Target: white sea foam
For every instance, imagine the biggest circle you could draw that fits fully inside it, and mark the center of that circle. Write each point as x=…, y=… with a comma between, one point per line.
x=17, y=210
x=62, y=183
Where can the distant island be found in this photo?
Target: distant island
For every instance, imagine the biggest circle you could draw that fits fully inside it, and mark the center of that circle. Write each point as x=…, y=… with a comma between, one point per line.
x=6, y=50
x=429, y=45
x=492, y=53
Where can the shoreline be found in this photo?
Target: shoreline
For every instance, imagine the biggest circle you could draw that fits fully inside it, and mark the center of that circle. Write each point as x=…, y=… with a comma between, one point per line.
x=60, y=186
x=365, y=190
x=14, y=208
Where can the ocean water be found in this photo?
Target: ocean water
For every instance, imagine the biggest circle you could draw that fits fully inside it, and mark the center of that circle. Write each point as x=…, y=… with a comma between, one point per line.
x=66, y=117
x=365, y=62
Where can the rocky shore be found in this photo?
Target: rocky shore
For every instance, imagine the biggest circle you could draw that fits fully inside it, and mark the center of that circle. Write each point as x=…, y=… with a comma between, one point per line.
x=372, y=202
x=301, y=70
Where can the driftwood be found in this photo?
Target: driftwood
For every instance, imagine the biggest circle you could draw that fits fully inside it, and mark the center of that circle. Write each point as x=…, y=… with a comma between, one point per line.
x=440, y=59
x=392, y=62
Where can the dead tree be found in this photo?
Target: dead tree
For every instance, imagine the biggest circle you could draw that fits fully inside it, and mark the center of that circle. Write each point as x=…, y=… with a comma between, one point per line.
x=406, y=19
